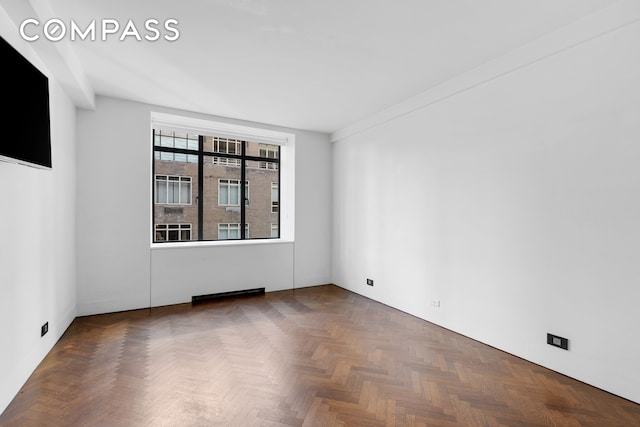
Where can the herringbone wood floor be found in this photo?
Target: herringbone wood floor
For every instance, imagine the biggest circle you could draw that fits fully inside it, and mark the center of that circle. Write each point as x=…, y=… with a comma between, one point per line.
x=317, y=356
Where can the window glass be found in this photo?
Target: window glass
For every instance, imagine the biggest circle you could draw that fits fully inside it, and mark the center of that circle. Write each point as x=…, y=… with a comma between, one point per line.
x=198, y=182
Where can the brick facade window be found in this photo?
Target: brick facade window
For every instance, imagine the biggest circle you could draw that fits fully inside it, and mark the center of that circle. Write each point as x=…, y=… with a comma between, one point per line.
x=231, y=231
x=226, y=146
x=275, y=197
x=173, y=190
x=269, y=152
x=173, y=232
x=229, y=192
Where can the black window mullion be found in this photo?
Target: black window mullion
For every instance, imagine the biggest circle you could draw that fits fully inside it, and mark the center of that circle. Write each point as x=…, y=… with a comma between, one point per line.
x=263, y=159
x=200, y=199
x=279, y=186
x=175, y=150
x=153, y=190
x=243, y=190
x=225, y=155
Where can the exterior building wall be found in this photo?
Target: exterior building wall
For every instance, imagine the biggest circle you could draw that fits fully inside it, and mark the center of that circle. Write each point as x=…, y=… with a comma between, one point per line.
x=258, y=212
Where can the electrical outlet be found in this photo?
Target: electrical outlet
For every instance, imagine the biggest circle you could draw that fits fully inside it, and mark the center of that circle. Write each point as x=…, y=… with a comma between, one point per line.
x=44, y=329
x=435, y=303
x=370, y=282
x=557, y=341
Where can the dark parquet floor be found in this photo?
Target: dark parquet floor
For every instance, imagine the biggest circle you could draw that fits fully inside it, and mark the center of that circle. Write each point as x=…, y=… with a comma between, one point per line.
x=318, y=356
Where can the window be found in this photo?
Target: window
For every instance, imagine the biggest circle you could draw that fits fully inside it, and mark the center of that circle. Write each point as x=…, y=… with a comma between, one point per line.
x=178, y=157
x=173, y=232
x=197, y=185
x=175, y=140
x=173, y=190
x=231, y=231
x=224, y=161
x=229, y=192
x=275, y=194
x=226, y=146
x=270, y=152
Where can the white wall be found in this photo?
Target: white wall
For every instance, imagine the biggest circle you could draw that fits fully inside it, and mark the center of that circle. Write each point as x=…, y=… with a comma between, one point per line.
x=37, y=250
x=214, y=269
x=118, y=270
x=516, y=203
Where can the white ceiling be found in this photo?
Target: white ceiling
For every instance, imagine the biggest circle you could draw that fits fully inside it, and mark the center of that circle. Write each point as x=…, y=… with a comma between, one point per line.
x=317, y=65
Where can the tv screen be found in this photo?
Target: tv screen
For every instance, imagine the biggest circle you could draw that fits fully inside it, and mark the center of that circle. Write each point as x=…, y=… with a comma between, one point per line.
x=26, y=134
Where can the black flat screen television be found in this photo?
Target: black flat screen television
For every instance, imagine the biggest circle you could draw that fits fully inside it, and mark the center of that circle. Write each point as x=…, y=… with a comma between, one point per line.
x=25, y=126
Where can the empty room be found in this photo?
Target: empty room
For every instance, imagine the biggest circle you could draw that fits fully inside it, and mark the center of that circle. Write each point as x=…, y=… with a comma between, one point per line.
x=320, y=213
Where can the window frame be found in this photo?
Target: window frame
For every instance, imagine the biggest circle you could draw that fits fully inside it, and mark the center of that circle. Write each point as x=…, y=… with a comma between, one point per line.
x=180, y=227
x=268, y=164
x=203, y=127
x=237, y=181
x=226, y=161
x=178, y=181
x=209, y=127
x=229, y=224
x=275, y=203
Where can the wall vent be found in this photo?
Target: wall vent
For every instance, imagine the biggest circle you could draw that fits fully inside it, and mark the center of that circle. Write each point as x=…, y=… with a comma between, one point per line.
x=222, y=295
x=557, y=341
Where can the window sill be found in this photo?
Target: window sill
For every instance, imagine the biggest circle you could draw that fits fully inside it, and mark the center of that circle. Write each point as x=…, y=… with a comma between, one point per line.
x=219, y=243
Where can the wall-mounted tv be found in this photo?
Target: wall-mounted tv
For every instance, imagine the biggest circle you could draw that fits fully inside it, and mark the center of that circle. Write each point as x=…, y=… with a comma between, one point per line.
x=25, y=120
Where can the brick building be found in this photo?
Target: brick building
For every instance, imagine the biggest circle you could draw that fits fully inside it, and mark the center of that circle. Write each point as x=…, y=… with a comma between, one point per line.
x=179, y=190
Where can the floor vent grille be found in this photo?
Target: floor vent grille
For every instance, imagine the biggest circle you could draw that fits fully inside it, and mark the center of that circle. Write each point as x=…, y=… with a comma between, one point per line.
x=222, y=295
